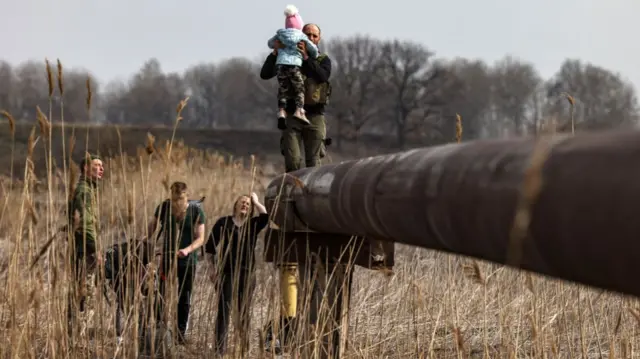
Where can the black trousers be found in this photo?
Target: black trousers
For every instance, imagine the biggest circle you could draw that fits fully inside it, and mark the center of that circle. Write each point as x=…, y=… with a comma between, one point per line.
x=185, y=275
x=235, y=293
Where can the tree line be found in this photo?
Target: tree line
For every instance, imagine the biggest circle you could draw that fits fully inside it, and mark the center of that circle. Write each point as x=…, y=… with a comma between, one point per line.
x=379, y=87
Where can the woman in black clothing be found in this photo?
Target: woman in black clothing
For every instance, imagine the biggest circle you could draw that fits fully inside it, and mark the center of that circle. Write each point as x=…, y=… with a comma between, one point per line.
x=231, y=244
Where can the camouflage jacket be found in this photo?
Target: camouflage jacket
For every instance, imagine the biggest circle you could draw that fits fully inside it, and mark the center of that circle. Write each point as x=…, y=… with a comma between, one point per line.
x=84, y=202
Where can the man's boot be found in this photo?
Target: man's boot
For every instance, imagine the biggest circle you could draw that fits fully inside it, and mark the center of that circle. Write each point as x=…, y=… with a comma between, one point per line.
x=282, y=119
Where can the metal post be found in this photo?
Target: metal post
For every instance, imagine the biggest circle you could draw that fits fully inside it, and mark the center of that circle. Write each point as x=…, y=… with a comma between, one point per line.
x=325, y=268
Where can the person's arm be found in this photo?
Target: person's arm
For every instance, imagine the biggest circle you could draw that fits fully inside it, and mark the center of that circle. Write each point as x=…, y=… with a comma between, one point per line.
x=199, y=238
x=198, y=232
x=77, y=207
x=272, y=42
x=212, y=246
x=256, y=203
x=263, y=218
x=268, y=70
x=80, y=206
x=214, y=238
x=153, y=223
x=320, y=71
x=312, y=49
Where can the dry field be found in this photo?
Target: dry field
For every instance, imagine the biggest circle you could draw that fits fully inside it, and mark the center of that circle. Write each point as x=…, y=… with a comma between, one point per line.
x=433, y=306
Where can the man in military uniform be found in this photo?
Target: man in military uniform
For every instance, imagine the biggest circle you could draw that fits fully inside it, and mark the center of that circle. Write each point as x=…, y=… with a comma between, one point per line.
x=317, y=93
x=83, y=228
x=313, y=139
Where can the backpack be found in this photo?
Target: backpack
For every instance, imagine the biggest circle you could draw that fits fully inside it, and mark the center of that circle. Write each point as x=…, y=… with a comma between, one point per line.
x=113, y=260
x=116, y=257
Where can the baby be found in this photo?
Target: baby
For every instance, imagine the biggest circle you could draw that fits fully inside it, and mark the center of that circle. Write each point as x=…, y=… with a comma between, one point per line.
x=288, y=63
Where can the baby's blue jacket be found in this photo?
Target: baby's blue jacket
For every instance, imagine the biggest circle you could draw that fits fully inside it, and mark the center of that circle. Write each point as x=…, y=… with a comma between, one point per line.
x=290, y=55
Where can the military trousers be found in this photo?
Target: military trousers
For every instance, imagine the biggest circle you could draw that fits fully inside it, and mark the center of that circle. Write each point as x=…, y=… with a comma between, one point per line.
x=298, y=139
x=82, y=285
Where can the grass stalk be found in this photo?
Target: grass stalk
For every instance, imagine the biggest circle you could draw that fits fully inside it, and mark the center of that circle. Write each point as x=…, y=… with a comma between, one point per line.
x=426, y=310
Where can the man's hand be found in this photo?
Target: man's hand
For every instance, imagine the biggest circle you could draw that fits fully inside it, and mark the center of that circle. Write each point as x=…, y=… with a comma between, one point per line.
x=184, y=252
x=276, y=46
x=99, y=260
x=302, y=47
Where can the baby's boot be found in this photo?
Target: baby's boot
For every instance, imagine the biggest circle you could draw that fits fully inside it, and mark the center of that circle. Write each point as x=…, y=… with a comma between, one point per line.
x=300, y=115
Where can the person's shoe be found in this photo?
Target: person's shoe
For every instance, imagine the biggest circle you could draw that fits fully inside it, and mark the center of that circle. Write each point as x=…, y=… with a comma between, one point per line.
x=300, y=116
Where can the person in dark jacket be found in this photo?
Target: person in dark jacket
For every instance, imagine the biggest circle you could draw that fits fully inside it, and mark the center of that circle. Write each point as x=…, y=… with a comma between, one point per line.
x=313, y=138
x=231, y=245
x=316, y=73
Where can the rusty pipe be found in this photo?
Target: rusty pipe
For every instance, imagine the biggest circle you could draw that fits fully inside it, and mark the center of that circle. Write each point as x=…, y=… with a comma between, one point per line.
x=461, y=198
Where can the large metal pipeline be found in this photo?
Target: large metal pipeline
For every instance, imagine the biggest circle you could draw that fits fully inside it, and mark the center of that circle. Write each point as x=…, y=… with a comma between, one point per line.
x=462, y=198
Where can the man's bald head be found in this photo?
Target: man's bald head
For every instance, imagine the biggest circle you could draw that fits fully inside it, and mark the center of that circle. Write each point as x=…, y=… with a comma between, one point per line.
x=313, y=32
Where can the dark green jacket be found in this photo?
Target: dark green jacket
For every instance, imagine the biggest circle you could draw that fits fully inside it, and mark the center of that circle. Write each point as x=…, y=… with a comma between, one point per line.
x=85, y=203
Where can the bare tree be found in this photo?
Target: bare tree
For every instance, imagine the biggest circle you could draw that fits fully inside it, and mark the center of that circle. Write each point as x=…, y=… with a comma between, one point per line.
x=75, y=97
x=114, y=104
x=514, y=84
x=356, y=61
x=473, y=96
x=8, y=87
x=409, y=86
x=603, y=99
x=378, y=87
x=32, y=89
x=153, y=96
x=202, y=88
x=245, y=102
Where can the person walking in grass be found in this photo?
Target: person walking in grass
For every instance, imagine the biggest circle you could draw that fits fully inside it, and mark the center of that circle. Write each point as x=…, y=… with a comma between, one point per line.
x=83, y=226
x=182, y=226
x=231, y=246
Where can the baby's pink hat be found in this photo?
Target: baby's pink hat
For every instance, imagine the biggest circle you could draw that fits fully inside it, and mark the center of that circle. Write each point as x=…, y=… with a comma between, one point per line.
x=293, y=20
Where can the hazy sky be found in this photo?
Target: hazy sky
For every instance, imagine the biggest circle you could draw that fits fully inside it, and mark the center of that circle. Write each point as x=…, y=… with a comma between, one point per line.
x=113, y=38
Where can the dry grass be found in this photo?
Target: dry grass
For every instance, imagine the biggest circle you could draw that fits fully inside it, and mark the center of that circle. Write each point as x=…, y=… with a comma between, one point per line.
x=435, y=306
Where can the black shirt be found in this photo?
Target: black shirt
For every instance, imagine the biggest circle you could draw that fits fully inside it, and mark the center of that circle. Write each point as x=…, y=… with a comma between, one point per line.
x=235, y=245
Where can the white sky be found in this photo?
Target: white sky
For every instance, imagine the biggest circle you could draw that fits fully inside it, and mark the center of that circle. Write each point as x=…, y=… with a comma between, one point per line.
x=114, y=38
